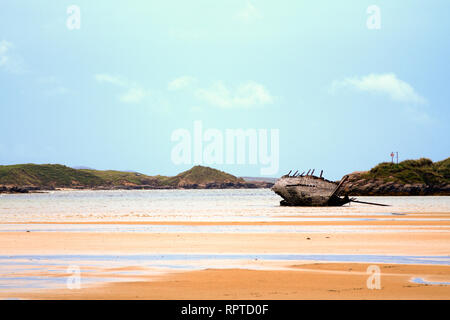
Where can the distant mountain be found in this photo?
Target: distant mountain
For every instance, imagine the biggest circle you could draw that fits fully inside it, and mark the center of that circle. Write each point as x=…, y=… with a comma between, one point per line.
x=23, y=177
x=409, y=177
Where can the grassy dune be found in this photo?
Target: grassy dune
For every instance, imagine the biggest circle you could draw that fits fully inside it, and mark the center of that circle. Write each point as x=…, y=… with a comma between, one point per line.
x=114, y=178
x=201, y=176
x=422, y=171
x=47, y=175
x=59, y=176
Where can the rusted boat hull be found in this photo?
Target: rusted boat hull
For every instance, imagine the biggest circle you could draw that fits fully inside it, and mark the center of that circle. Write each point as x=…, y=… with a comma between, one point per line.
x=310, y=191
x=332, y=202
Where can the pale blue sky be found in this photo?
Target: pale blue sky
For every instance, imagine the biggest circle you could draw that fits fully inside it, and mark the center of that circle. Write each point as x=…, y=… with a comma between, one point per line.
x=110, y=94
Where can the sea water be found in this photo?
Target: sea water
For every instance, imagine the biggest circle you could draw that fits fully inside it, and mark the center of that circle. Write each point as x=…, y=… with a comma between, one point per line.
x=189, y=205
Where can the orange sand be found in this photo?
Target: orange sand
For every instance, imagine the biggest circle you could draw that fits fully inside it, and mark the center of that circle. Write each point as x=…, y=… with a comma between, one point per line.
x=310, y=281
x=414, y=243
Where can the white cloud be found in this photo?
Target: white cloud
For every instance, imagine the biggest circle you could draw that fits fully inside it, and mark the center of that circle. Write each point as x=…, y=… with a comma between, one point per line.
x=133, y=94
x=246, y=95
x=9, y=61
x=181, y=83
x=4, y=48
x=116, y=80
x=248, y=13
x=419, y=116
x=388, y=84
x=51, y=86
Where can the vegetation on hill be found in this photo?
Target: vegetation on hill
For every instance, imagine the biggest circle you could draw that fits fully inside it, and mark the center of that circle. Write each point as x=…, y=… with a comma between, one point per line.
x=114, y=178
x=59, y=176
x=200, y=175
x=420, y=176
x=423, y=171
x=46, y=175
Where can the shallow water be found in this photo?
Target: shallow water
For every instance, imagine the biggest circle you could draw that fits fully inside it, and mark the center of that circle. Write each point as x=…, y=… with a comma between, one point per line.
x=50, y=271
x=190, y=205
x=142, y=228
x=422, y=281
x=147, y=258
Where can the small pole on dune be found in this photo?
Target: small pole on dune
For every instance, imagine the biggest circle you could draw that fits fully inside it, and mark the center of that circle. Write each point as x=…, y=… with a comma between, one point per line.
x=392, y=157
x=397, y=156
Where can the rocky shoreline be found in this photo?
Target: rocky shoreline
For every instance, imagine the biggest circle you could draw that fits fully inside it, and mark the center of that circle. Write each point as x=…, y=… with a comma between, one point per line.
x=15, y=189
x=354, y=186
x=229, y=185
x=358, y=186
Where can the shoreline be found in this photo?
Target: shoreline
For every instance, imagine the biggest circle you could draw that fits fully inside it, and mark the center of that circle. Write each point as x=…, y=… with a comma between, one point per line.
x=33, y=190
x=250, y=186
x=417, y=222
x=144, y=188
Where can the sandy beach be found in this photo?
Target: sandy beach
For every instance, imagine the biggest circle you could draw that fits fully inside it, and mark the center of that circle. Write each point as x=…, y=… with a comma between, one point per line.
x=282, y=254
x=308, y=281
x=36, y=243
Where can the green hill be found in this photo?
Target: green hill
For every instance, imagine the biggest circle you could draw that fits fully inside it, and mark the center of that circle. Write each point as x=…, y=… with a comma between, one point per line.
x=409, y=177
x=200, y=175
x=58, y=176
x=422, y=171
x=46, y=175
x=114, y=178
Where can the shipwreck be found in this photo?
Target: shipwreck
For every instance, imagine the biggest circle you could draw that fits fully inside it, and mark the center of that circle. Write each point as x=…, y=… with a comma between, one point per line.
x=312, y=191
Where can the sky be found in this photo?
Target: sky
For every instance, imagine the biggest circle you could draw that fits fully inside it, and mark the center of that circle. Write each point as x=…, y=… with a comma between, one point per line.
x=107, y=83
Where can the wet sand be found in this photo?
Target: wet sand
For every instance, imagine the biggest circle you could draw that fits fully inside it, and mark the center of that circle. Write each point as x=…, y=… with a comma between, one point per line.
x=241, y=279
x=417, y=243
x=308, y=281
